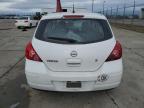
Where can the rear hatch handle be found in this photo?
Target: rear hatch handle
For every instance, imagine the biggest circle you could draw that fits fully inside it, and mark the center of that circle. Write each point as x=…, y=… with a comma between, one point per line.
x=74, y=62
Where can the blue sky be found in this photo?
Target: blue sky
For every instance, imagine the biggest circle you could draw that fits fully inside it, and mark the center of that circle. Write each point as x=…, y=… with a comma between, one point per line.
x=34, y=5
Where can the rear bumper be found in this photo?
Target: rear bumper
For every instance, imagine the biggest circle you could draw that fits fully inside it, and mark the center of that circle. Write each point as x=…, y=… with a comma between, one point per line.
x=40, y=77
x=22, y=24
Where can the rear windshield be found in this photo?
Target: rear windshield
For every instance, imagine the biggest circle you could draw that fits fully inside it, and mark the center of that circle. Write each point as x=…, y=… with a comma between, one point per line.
x=23, y=18
x=73, y=31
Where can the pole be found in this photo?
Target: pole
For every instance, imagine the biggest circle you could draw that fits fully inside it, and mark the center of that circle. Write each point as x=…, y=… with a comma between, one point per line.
x=104, y=7
x=92, y=6
x=73, y=8
x=117, y=13
x=107, y=13
x=124, y=13
x=111, y=12
x=133, y=12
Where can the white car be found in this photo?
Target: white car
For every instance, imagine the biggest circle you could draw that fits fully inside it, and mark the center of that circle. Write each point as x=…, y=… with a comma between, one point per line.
x=26, y=21
x=73, y=52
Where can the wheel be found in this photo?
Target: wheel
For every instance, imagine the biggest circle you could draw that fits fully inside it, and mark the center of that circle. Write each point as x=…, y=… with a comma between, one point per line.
x=18, y=27
x=30, y=25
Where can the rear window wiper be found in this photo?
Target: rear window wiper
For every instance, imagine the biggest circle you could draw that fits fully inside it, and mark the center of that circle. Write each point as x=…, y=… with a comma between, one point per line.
x=63, y=39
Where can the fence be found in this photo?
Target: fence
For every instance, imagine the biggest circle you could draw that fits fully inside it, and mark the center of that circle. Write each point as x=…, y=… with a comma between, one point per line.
x=126, y=14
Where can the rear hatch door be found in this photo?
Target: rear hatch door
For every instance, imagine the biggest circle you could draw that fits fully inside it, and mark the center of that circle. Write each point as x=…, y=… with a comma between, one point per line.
x=73, y=58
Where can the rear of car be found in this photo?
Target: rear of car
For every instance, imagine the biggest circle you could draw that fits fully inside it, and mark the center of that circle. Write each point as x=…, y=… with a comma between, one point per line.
x=22, y=22
x=73, y=52
x=26, y=21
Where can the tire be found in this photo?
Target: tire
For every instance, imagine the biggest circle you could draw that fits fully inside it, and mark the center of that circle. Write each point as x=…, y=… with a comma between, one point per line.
x=18, y=27
x=30, y=25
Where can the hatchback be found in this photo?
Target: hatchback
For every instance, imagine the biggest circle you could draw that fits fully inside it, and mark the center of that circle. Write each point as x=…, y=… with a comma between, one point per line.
x=73, y=52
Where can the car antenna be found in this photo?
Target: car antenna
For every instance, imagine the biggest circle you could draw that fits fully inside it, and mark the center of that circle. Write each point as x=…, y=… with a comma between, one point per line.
x=73, y=8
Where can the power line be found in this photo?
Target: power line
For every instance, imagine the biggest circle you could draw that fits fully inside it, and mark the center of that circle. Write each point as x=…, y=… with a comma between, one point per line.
x=130, y=6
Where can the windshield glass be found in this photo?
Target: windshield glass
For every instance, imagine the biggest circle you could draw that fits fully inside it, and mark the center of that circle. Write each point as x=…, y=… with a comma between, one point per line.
x=73, y=30
x=23, y=18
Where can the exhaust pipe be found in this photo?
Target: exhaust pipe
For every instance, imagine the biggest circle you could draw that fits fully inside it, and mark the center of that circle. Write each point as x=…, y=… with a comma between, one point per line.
x=59, y=7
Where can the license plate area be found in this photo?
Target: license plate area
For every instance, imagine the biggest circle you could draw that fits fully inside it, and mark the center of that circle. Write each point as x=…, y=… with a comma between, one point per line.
x=73, y=84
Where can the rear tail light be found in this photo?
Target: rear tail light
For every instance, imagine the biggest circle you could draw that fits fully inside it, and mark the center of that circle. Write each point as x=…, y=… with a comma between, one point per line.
x=31, y=54
x=116, y=53
x=73, y=16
